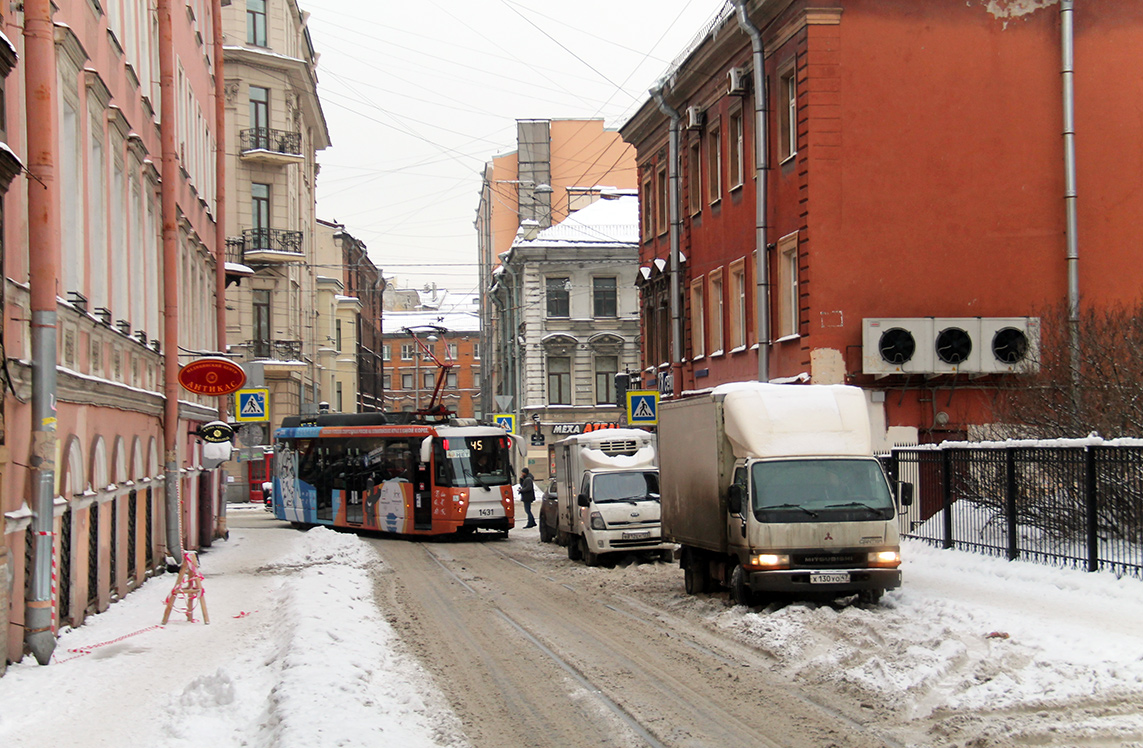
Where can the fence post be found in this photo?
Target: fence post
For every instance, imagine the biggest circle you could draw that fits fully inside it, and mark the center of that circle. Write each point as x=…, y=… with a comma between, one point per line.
x=946, y=499
x=1092, y=502
x=1010, y=502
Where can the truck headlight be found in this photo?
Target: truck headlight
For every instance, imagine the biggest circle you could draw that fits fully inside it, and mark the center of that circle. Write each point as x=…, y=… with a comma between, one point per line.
x=885, y=558
x=597, y=522
x=769, y=561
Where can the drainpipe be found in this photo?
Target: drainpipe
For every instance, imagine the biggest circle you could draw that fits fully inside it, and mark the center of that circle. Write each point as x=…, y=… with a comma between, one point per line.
x=513, y=297
x=1067, y=32
x=676, y=231
x=44, y=243
x=219, y=229
x=761, y=171
x=170, y=174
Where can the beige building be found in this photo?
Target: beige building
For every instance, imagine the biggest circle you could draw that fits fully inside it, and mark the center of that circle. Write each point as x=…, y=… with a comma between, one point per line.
x=338, y=321
x=275, y=127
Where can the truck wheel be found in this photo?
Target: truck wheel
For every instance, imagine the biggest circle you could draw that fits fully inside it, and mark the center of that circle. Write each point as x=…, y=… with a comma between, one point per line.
x=740, y=591
x=870, y=597
x=573, y=549
x=695, y=577
x=590, y=558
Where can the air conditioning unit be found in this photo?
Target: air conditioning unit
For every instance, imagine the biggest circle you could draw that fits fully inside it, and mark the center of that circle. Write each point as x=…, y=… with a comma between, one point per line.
x=1010, y=345
x=736, y=81
x=897, y=346
x=694, y=118
x=956, y=345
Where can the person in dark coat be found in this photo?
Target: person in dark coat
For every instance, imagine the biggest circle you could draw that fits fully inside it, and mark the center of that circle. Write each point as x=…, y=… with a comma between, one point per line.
x=528, y=495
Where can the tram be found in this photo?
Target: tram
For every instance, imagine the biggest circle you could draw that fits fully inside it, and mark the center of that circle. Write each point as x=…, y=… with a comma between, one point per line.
x=363, y=471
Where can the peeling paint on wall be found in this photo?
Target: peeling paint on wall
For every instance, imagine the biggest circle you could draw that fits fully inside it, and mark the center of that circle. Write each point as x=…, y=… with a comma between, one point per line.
x=1013, y=9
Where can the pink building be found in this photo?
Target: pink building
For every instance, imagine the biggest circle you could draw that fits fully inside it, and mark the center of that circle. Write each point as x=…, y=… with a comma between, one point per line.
x=123, y=241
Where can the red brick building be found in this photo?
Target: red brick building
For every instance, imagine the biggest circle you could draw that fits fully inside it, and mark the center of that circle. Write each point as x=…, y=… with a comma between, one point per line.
x=411, y=374
x=916, y=176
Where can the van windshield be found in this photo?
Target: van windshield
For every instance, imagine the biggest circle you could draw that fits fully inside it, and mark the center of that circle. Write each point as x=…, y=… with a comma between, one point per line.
x=821, y=490
x=639, y=486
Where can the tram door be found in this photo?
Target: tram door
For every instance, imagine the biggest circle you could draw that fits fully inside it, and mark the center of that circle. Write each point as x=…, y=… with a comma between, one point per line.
x=422, y=495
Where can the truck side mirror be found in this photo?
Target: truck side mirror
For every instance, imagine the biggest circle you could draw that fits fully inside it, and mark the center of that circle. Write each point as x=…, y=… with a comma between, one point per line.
x=734, y=498
x=583, y=500
x=905, y=491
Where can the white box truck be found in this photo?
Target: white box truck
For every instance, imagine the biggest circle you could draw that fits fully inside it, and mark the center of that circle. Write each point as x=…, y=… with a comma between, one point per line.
x=607, y=493
x=774, y=489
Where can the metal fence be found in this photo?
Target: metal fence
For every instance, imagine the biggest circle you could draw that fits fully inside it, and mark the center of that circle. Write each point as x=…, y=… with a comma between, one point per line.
x=1074, y=504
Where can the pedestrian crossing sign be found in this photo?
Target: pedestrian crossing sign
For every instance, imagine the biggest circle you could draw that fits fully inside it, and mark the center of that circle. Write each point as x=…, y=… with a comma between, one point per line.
x=506, y=421
x=642, y=407
x=250, y=405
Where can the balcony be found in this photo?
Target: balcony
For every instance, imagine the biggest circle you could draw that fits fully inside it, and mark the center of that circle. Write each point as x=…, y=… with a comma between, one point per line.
x=273, y=350
x=268, y=246
x=265, y=145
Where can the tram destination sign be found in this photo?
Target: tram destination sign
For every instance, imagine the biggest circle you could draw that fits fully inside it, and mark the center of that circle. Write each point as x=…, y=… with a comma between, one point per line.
x=212, y=376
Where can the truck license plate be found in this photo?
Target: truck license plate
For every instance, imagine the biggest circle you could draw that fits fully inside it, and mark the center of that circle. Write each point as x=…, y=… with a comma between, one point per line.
x=831, y=578
x=636, y=535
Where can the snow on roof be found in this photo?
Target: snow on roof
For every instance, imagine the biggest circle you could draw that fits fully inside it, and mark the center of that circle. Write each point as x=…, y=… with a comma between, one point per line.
x=606, y=221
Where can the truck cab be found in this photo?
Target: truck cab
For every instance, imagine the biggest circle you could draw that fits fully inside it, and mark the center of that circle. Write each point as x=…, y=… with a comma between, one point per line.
x=607, y=495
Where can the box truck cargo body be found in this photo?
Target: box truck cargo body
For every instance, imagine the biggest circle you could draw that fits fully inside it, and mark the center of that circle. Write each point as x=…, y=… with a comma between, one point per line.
x=607, y=492
x=773, y=488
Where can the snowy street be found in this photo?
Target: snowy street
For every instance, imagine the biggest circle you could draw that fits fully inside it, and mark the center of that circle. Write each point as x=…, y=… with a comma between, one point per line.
x=970, y=652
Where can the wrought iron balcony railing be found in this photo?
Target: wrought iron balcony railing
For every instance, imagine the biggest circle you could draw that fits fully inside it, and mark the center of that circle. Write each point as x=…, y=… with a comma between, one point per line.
x=275, y=350
x=269, y=139
x=271, y=240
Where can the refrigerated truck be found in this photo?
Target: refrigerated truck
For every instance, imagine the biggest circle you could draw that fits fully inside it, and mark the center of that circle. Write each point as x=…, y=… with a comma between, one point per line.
x=774, y=489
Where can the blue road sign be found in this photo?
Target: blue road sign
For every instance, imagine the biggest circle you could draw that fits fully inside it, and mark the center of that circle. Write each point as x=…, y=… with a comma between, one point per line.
x=642, y=407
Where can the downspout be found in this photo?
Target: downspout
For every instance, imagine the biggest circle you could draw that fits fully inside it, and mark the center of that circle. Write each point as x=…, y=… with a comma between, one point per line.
x=676, y=231
x=761, y=174
x=170, y=175
x=514, y=345
x=219, y=230
x=44, y=244
x=1067, y=32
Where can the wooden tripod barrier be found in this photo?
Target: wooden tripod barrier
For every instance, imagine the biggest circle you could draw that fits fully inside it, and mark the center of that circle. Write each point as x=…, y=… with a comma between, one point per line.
x=188, y=585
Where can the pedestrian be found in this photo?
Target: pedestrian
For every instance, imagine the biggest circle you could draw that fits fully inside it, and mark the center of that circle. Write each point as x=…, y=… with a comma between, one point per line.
x=528, y=495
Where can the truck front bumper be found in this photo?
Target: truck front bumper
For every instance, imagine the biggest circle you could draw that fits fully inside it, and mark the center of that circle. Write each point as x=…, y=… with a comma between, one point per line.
x=824, y=580
x=636, y=541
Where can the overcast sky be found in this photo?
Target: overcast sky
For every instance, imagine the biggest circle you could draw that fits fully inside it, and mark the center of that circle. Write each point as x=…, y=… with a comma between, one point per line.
x=420, y=94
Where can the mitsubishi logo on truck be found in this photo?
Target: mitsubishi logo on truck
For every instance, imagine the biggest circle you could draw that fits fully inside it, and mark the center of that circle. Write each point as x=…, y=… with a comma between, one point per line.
x=828, y=536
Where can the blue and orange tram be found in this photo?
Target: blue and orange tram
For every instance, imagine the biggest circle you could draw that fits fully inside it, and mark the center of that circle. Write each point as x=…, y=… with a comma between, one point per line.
x=363, y=471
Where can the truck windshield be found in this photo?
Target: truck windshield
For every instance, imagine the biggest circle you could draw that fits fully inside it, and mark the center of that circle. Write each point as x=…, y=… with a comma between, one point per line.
x=824, y=490
x=640, y=486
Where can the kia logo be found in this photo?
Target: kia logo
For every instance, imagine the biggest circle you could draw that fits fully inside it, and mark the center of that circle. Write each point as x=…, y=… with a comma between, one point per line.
x=634, y=514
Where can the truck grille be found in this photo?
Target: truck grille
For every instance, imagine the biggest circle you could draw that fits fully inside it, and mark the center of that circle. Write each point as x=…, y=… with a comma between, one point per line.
x=827, y=560
x=619, y=447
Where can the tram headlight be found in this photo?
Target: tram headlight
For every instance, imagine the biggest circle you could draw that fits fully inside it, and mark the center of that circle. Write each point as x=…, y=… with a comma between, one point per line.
x=597, y=522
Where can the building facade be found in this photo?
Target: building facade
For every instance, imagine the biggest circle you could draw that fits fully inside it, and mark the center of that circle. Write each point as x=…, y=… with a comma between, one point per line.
x=364, y=282
x=412, y=340
x=569, y=293
x=558, y=167
x=909, y=179
x=115, y=225
x=276, y=126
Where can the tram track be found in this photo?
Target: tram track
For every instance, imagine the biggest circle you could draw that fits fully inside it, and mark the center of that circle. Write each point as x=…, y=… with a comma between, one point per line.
x=574, y=665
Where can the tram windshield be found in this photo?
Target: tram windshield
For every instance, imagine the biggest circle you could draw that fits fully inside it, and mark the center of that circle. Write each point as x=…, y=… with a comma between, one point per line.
x=472, y=461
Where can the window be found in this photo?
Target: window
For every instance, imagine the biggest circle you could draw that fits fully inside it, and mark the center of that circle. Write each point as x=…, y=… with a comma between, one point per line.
x=385, y=353
x=256, y=22
x=559, y=297
x=450, y=380
x=450, y=351
x=603, y=297
x=262, y=333
x=715, y=301
x=714, y=163
x=260, y=214
x=337, y=397
x=427, y=355
x=337, y=335
x=737, y=150
x=698, y=320
x=476, y=351
x=407, y=351
x=788, y=285
x=559, y=380
x=788, y=114
x=260, y=117
x=663, y=202
x=647, y=201
x=387, y=381
x=738, y=304
x=428, y=380
x=694, y=178
x=606, y=367
x=406, y=381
